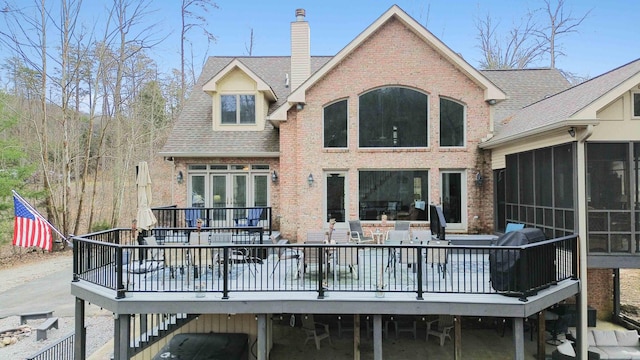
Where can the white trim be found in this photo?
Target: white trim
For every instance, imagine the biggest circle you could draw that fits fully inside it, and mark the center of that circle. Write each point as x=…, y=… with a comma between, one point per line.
x=261, y=85
x=238, y=108
x=463, y=225
x=633, y=94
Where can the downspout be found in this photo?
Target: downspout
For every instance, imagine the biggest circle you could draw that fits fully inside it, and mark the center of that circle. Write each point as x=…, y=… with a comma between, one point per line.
x=582, y=246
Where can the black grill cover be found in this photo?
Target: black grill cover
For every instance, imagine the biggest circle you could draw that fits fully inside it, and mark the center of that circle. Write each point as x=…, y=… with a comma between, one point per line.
x=504, y=263
x=211, y=346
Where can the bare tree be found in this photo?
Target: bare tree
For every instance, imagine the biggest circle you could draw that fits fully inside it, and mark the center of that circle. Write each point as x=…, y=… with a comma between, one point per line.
x=561, y=22
x=193, y=16
x=516, y=50
x=249, y=47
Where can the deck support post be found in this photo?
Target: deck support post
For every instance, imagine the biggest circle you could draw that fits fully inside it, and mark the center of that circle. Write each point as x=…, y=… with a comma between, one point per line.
x=80, y=341
x=377, y=337
x=262, y=337
x=518, y=338
x=121, y=336
x=457, y=337
x=356, y=337
x=542, y=348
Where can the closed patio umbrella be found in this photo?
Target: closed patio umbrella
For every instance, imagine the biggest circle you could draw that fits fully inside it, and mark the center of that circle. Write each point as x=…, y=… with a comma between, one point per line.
x=145, y=218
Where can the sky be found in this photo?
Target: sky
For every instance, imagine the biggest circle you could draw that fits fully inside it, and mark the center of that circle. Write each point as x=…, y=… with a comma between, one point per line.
x=605, y=40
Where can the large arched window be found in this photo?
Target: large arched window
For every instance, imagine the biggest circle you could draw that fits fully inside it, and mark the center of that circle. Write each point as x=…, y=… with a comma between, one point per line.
x=451, y=123
x=393, y=117
x=335, y=125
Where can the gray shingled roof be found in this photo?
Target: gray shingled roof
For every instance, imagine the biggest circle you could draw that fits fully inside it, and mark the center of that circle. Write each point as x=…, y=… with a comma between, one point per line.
x=565, y=104
x=524, y=87
x=192, y=134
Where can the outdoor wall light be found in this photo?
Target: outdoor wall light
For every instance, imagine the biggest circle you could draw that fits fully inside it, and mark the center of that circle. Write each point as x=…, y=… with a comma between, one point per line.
x=479, y=179
x=300, y=106
x=274, y=176
x=180, y=177
x=310, y=179
x=572, y=131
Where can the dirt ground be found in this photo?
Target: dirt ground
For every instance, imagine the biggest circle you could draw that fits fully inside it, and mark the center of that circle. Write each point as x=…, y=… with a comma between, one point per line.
x=630, y=292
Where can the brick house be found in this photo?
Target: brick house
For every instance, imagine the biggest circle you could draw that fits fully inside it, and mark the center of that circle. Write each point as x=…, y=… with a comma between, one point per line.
x=393, y=122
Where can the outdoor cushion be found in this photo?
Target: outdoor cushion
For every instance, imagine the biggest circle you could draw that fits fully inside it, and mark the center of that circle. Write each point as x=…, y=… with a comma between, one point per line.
x=590, y=339
x=605, y=338
x=627, y=337
x=615, y=352
x=566, y=349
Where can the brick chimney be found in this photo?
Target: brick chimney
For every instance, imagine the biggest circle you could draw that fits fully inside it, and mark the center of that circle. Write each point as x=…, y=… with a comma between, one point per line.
x=300, y=50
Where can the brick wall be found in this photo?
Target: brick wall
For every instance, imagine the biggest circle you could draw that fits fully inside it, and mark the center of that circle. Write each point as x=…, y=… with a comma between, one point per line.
x=393, y=56
x=600, y=291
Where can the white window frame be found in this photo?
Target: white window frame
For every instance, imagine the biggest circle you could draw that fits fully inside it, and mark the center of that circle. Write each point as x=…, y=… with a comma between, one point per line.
x=633, y=109
x=238, y=108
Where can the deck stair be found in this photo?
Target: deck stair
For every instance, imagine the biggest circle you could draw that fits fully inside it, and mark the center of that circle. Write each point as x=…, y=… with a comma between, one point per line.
x=152, y=328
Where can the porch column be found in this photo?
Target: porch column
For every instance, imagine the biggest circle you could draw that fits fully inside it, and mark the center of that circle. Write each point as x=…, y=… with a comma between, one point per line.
x=262, y=337
x=80, y=341
x=542, y=349
x=121, y=326
x=581, y=206
x=356, y=337
x=518, y=338
x=377, y=337
x=457, y=337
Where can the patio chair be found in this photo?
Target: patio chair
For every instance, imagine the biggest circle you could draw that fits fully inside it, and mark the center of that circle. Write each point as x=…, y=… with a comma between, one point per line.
x=234, y=255
x=191, y=216
x=252, y=219
x=421, y=236
x=394, y=238
x=286, y=255
x=402, y=324
x=153, y=261
x=311, y=254
x=346, y=323
x=402, y=225
x=315, y=331
x=358, y=235
x=344, y=257
x=513, y=227
x=437, y=256
x=441, y=330
x=196, y=256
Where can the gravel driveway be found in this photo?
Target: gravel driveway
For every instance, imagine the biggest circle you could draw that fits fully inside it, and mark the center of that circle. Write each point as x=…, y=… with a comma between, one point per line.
x=45, y=285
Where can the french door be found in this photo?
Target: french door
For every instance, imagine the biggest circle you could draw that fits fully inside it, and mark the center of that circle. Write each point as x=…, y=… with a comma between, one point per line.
x=454, y=198
x=336, y=196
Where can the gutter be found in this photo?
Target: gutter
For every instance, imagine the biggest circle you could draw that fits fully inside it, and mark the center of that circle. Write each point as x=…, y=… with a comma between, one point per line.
x=220, y=155
x=490, y=144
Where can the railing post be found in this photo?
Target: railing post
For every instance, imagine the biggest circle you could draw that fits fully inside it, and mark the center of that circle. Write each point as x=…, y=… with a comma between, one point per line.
x=225, y=270
x=320, y=272
x=119, y=274
x=76, y=259
x=419, y=269
x=523, y=274
x=575, y=246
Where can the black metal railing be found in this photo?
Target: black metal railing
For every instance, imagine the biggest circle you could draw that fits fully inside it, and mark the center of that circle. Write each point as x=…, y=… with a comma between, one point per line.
x=61, y=350
x=174, y=217
x=228, y=260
